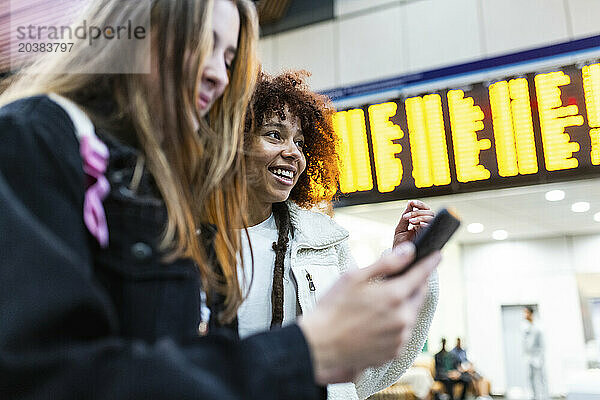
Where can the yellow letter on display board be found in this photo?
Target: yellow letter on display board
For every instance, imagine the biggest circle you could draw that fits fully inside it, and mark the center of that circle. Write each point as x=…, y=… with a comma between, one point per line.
x=387, y=167
x=513, y=127
x=591, y=90
x=427, y=141
x=466, y=119
x=595, y=139
x=355, y=171
x=554, y=118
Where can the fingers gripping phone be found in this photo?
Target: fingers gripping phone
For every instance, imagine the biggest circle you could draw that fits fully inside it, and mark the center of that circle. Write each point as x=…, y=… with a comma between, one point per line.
x=434, y=236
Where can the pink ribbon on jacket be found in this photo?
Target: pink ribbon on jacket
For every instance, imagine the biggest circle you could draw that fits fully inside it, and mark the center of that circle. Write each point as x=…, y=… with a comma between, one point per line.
x=95, y=155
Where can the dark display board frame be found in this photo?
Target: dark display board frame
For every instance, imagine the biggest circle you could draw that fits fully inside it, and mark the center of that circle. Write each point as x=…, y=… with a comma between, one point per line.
x=571, y=94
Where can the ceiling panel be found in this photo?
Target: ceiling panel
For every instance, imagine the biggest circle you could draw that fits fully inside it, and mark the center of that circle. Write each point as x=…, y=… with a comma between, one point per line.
x=523, y=212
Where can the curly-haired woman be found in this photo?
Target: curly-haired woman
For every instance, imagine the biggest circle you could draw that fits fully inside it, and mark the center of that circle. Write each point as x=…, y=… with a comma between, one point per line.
x=292, y=166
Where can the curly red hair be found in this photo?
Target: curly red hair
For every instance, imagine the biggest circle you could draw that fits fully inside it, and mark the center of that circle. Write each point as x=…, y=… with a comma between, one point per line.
x=272, y=95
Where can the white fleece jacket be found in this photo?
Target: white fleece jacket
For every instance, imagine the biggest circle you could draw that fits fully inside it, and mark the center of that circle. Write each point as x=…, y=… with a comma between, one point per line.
x=320, y=254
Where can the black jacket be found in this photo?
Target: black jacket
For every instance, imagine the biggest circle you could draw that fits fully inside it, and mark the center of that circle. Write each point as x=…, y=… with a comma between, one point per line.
x=81, y=322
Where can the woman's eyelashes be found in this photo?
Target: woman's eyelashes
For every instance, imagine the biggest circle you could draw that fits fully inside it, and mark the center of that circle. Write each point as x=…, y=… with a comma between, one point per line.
x=275, y=135
x=228, y=53
x=229, y=62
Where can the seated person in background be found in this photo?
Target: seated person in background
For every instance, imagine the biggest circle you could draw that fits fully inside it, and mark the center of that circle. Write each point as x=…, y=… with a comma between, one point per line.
x=480, y=385
x=459, y=352
x=447, y=371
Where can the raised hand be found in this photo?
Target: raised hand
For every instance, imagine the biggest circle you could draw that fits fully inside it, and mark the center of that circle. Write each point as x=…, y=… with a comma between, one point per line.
x=415, y=216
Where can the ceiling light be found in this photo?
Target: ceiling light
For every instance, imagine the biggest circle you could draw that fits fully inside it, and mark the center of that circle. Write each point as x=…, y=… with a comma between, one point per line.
x=500, y=234
x=580, y=207
x=475, y=227
x=555, y=195
x=597, y=217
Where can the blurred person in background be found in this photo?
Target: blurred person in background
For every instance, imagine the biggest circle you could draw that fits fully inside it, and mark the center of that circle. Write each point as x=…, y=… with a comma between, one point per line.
x=447, y=371
x=533, y=348
x=466, y=367
x=459, y=352
x=292, y=167
x=122, y=199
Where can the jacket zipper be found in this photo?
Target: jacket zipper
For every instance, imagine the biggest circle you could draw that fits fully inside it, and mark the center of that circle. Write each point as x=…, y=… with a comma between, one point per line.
x=312, y=290
x=311, y=284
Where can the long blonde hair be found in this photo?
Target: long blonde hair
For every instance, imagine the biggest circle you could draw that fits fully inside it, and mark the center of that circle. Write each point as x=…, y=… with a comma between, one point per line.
x=196, y=162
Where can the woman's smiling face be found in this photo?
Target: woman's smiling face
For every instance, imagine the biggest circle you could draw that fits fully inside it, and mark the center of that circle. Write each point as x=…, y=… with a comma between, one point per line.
x=275, y=158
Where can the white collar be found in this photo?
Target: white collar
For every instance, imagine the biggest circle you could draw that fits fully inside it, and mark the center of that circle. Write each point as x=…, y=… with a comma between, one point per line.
x=313, y=229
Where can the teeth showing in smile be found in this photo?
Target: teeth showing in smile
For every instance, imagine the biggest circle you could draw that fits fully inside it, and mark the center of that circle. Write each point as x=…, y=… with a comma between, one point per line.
x=283, y=173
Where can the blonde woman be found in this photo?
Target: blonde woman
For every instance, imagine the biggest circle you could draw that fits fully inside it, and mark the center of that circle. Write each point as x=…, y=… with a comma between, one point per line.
x=121, y=195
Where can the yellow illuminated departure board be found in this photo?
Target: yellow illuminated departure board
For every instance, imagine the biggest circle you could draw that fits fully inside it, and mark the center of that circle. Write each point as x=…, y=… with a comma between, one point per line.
x=513, y=127
x=384, y=134
x=554, y=118
x=355, y=165
x=591, y=89
x=466, y=119
x=428, y=141
x=515, y=131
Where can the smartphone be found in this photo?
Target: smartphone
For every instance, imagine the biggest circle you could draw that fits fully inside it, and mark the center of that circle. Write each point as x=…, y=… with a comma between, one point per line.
x=434, y=236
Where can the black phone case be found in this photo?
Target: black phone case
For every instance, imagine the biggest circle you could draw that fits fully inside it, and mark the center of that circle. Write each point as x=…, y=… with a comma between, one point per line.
x=434, y=236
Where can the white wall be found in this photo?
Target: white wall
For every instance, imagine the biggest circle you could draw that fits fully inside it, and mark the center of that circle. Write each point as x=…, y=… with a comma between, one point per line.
x=586, y=253
x=368, y=239
x=442, y=32
x=511, y=25
x=375, y=39
x=540, y=271
x=311, y=48
x=450, y=317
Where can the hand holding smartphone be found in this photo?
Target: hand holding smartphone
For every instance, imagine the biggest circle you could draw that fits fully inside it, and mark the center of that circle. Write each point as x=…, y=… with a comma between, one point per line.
x=434, y=236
